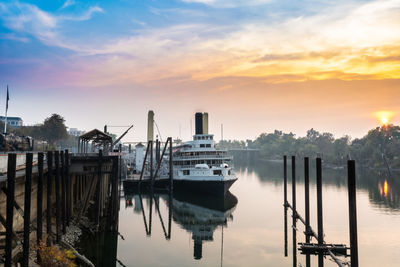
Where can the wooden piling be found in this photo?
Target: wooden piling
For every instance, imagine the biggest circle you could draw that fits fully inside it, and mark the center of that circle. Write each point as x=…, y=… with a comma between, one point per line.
x=57, y=192
x=68, y=187
x=351, y=171
x=294, y=186
x=98, y=187
x=63, y=194
x=39, y=231
x=307, y=197
x=308, y=232
x=285, y=180
x=27, y=208
x=12, y=160
x=319, y=211
x=151, y=163
x=48, y=207
x=171, y=167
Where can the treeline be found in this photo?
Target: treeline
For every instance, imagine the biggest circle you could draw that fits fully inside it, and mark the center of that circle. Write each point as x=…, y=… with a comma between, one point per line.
x=378, y=148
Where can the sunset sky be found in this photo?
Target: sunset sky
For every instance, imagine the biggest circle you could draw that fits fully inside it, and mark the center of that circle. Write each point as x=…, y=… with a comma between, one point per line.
x=253, y=65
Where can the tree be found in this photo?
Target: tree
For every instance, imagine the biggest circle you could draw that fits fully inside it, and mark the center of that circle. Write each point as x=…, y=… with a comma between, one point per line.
x=54, y=129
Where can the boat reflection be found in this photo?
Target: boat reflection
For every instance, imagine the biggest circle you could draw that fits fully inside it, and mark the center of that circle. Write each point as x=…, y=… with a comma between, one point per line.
x=199, y=215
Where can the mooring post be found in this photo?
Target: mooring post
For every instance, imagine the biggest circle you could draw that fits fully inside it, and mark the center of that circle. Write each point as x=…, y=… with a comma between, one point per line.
x=285, y=181
x=157, y=152
x=39, y=231
x=319, y=211
x=294, y=187
x=285, y=231
x=351, y=171
x=115, y=194
x=49, y=178
x=171, y=167
x=151, y=163
x=12, y=162
x=57, y=191
x=27, y=208
x=307, y=205
x=307, y=197
x=98, y=185
x=63, y=194
x=68, y=187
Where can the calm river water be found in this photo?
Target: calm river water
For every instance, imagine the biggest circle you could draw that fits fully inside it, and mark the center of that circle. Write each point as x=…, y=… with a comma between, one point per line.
x=249, y=229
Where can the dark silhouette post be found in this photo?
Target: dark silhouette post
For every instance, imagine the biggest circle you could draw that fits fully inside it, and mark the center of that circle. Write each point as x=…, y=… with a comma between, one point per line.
x=63, y=193
x=12, y=162
x=49, y=178
x=171, y=167
x=39, y=231
x=57, y=191
x=285, y=180
x=319, y=211
x=307, y=204
x=307, y=197
x=27, y=208
x=351, y=170
x=294, y=186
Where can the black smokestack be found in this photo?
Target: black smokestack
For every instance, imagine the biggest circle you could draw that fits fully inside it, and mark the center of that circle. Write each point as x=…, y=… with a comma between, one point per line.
x=198, y=249
x=199, y=123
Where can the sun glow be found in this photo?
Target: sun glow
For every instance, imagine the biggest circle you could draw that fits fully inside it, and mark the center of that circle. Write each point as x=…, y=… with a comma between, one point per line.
x=384, y=117
x=385, y=188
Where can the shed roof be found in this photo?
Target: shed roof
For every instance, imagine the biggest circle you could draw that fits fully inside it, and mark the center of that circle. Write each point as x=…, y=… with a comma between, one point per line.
x=96, y=136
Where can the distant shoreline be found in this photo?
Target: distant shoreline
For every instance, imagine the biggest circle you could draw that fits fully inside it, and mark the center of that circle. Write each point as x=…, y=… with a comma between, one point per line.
x=331, y=166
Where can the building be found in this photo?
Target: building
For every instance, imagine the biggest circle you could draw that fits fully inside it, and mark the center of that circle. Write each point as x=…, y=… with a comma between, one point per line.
x=75, y=132
x=12, y=121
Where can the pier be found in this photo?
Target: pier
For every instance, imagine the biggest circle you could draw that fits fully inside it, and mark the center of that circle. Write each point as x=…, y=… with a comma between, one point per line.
x=45, y=193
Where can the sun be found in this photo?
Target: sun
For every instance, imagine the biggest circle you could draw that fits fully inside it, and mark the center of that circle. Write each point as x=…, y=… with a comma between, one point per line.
x=384, y=116
x=384, y=120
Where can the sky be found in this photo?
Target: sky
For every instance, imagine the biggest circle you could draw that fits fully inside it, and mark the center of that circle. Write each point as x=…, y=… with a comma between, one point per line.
x=253, y=65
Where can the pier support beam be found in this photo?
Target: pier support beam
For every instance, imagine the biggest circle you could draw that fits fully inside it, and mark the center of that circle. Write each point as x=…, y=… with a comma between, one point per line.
x=27, y=208
x=12, y=162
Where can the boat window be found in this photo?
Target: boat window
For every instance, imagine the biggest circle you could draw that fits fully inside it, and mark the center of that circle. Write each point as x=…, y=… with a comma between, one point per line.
x=202, y=145
x=208, y=145
x=217, y=172
x=186, y=172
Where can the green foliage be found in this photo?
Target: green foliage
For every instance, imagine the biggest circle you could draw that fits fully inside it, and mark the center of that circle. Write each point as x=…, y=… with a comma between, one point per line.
x=371, y=150
x=54, y=256
x=52, y=130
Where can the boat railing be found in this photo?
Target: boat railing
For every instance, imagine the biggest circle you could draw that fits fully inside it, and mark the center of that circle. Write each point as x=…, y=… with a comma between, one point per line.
x=208, y=157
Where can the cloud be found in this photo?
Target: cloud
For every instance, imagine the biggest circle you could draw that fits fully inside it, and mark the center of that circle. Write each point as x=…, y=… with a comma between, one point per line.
x=85, y=16
x=229, y=3
x=29, y=19
x=347, y=42
x=68, y=3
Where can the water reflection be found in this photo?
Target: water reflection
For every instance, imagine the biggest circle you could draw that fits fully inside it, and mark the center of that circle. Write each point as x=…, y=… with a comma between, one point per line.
x=200, y=216
x=383, y=190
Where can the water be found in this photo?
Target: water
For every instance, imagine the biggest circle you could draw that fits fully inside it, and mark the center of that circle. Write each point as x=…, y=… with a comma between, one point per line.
x=251, y=231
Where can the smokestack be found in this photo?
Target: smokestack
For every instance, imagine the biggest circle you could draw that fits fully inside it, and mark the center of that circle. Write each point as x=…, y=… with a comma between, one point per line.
x=205, y=123
x=199, y=123
x=198, y=249
x=150, y=126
